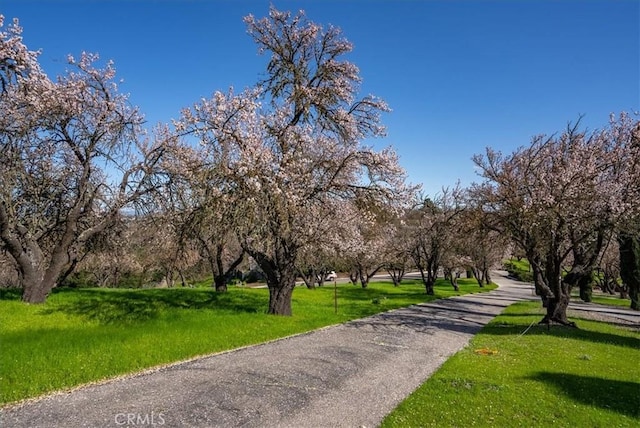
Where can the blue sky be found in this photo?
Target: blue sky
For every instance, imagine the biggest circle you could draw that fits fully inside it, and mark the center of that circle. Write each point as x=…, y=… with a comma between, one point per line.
x=458, y=75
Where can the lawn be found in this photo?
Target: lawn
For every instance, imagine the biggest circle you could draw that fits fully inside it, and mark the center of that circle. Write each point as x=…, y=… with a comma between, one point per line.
x=604, y=299
x=85, y=335
x=516, y=373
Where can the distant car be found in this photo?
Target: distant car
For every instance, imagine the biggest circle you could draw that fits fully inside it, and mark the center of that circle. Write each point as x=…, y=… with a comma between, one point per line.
x=331, y=276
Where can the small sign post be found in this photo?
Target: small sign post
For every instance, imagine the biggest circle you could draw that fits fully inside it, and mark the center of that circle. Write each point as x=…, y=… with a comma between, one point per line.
x=335, y=295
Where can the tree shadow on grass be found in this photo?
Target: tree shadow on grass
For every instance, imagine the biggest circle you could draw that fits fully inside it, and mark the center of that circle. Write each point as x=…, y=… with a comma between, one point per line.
x=118, y=306
x=615, y=395
x=511, y=329
x=360, y=302
x=359, y=294
x=414, y=292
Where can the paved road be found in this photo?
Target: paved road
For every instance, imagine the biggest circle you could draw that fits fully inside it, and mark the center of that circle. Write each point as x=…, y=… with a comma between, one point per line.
x=350, y=375
x=614, y=314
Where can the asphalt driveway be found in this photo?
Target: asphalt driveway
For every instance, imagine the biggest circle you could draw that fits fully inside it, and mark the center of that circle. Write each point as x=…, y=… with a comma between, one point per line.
x=349, y=375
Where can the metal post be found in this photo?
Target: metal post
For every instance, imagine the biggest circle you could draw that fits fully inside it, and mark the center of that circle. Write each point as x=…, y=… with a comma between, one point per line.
x=335, y=295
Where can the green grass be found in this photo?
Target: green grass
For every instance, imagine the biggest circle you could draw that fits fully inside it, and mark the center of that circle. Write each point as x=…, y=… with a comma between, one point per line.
x=520, y=269
x=84, y=335
x=604, y=299
x=562, y=377
x=520, y=265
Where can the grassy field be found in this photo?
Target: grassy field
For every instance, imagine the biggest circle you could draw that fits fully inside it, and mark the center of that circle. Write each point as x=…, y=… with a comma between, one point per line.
x=84, y=335
x=515, y=373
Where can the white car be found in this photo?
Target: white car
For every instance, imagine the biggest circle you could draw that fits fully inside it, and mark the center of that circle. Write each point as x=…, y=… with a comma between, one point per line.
x=331, y=276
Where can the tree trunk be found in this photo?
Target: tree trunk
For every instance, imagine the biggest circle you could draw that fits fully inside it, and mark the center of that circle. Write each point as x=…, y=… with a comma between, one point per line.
x=586, y=288
x=487, y=276
x=35, y=289
x=580, y=277
x=557, y=311
x=429, y=287
x=432, y=275
x=353, y=276
x=280, y=294
x=452, y=276
x=477, y=274
x=557, y=303
x=539, y=280
x=448, y=274
x=320, y=277
x=280, y=272
x=429, y=282
x=220, y=283
x=630, y=266
x=309, y=278
x=364, y=279
x=183, y=280
x=221, y=276
x=397, y=274
x=37, y=284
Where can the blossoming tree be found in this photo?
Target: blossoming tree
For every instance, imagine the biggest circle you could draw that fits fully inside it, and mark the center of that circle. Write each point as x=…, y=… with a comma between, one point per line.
x=201, y=209
x=558, y=198
x=291, y=148
x=72, y=157
x=433, y=229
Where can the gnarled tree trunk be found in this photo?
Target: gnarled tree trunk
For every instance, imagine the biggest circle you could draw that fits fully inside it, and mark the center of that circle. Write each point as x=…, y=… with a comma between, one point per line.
x=558, y=302
x=34, y=289
x=39, y=275
x=280, y=272
x=280, y=295
x=630, y=266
